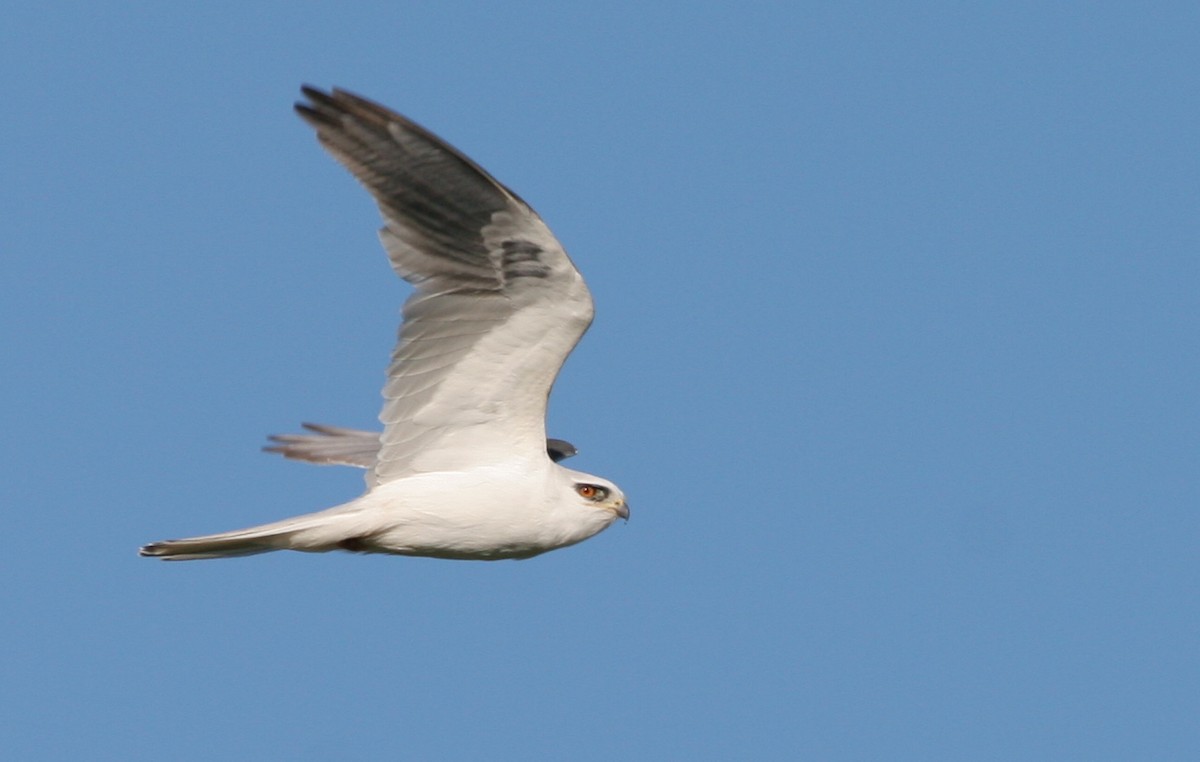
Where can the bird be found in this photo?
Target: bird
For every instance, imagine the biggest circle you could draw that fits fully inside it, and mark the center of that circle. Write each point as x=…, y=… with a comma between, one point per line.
x=463, y=468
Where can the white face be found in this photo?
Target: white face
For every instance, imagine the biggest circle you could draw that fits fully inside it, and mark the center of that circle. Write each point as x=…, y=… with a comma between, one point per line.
x=594, y=492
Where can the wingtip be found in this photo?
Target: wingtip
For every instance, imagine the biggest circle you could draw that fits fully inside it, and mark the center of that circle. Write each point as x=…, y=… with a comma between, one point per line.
x=317, y=95
x=312, y=112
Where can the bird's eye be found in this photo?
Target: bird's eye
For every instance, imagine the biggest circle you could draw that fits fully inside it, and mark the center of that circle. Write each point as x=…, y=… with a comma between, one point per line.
x=591, y=491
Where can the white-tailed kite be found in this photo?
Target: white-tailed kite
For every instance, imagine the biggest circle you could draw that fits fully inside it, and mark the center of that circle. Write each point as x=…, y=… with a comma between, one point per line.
x=463, y=468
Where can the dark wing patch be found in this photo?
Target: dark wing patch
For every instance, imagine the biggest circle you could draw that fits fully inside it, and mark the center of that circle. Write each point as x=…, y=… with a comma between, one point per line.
x=438, y=199
x=522, y=259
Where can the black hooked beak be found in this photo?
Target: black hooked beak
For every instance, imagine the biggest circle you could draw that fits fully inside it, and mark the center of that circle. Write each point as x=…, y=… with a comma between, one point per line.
x=622, y=510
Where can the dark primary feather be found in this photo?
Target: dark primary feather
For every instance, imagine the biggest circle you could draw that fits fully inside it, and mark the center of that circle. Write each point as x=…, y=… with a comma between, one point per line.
x=441, y=199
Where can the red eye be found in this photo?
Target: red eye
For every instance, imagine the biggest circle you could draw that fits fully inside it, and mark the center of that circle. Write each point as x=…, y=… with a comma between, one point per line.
x=586, y=490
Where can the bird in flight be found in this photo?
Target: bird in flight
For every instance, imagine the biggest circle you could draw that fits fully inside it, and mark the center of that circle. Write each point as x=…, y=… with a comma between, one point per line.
x=463, y=468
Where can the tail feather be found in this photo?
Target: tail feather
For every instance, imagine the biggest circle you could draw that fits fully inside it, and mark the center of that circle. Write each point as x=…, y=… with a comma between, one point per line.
x=329, y=445
x=197, y=548
x=295, y=534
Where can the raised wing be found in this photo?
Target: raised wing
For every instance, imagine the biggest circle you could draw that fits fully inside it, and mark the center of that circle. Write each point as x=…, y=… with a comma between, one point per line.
x=337, y=446
x=498, y=304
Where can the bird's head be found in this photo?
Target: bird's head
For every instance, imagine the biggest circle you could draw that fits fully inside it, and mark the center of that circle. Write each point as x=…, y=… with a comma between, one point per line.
x=596, y=493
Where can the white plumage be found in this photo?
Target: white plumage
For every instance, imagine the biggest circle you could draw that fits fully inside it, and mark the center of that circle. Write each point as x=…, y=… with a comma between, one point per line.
x=463, y=468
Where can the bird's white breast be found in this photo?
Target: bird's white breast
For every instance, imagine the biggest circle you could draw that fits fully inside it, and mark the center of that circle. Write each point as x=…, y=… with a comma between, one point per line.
x=512, y=510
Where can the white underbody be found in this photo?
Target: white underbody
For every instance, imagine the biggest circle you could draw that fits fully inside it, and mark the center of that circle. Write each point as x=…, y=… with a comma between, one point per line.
x=509, y=510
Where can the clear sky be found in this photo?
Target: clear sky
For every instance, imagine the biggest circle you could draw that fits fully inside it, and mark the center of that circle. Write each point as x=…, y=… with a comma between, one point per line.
x=895, y=354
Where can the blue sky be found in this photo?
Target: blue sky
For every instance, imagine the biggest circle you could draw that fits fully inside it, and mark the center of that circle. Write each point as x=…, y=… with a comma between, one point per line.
x=895, y=355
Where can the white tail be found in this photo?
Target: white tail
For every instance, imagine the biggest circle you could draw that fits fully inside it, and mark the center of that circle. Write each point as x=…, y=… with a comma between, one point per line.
x=294, y=534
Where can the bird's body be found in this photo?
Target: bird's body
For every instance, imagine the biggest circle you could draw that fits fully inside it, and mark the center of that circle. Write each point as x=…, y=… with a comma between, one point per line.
x=488, y=514
x=463, y=468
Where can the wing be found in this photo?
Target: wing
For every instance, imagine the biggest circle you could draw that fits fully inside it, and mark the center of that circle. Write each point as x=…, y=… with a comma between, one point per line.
x=337, y=446
x=498, y=304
